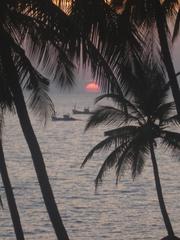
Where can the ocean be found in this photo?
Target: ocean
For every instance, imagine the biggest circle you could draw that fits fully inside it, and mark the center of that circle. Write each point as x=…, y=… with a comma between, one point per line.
x=127, y=211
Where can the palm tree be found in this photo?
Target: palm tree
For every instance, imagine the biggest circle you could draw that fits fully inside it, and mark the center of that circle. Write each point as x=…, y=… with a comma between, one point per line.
x=141, y=118
x=34, y=23
x=9, y=194
x=145, y=15
x=45, y=30
x=98, y=20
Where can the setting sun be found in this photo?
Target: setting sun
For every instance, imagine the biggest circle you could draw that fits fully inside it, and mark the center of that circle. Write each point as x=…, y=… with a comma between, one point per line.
x=92, y=87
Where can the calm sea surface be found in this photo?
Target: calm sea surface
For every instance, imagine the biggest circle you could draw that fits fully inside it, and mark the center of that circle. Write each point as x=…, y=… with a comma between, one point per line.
x=129, y=211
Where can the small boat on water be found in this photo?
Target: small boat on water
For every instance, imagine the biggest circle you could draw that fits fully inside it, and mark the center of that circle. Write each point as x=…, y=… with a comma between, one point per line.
x=66, y=117
x=84, y=111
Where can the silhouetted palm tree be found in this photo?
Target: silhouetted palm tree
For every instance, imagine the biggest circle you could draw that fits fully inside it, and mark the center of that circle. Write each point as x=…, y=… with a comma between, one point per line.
x=9, y=192
x=111, y=33
x=33, y=22
x=153, y=16
x=142, y=118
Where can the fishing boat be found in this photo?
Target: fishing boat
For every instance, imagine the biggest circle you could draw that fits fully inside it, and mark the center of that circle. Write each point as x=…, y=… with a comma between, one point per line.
x=66, y=117
x=84, y=111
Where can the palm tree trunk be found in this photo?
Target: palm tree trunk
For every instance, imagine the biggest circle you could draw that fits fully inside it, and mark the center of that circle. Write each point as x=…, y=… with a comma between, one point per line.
x=160, y=194
x=10, y=197
x=161, y=23
x=38, y=162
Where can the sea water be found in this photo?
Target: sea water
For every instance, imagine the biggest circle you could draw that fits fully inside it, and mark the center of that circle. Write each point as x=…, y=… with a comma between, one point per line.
x=127, y=211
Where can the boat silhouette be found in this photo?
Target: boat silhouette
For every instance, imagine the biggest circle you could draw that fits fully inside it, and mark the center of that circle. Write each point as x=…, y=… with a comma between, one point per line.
x=84, y=111
x=66, y=117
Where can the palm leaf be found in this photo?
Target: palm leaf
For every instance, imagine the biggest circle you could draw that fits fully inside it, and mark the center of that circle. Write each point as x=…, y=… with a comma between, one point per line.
x=102, y=71
x=41, y=38
x=103, y=145
x=109, y=115
x=122, y=103
x=171, y=140
x=123, y=132
x=90, y=16
x=110, y=161
x=35, y=83
x=165, y=110
x=176, y=27
x=170, y=7
x=137, y=164
x=173, y=120
x=133, y=155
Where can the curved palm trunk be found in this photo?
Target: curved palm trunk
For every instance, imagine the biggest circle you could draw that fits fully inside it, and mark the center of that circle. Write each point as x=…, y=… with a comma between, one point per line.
x=31, y=139
x=160, y=20
x=10, y=197
x=160, y=195
x=38, y=162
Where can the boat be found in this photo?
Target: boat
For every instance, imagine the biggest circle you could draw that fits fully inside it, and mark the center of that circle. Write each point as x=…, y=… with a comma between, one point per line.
x=66, y=117
x=84, y=111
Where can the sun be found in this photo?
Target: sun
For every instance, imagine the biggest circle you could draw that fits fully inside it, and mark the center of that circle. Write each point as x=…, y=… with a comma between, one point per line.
x=92, y=87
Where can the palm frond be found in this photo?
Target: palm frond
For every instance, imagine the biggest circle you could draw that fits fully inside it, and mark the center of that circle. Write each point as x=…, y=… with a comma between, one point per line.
x=152, y=51
x=137, y=164
x=110, y=161
x=60, y=67
x=170, y=7
x=102, y=71
x=171, y=140
x=65, y=5
x=142, y=12
x=92, y=17
x=103, y=145
x=109, y=115
x=71, y=36
x=123, y=161
x=133, y=155
x=122, y=103
x=41, y=103
x=150, y=91
x=35, y=83
x=123, y=132
x=176, y=27
x=173, y=120
x=46, y=38
x=165, y=110
x=109, y=57
x=64, y=70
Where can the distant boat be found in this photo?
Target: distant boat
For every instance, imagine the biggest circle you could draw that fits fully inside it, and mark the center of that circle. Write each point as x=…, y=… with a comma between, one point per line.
x=85, y=111
x=66, y=117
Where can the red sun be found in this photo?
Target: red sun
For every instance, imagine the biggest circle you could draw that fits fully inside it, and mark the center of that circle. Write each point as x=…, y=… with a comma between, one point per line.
x=92, y=87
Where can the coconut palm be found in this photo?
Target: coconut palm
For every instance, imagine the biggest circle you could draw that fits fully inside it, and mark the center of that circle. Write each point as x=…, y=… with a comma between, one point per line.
x=151, y=16
x=99, y=20
x=9, y=193
x=33, y=23
x=141, y=118
x=44, y=30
